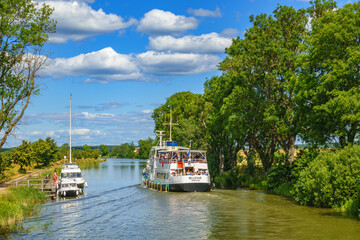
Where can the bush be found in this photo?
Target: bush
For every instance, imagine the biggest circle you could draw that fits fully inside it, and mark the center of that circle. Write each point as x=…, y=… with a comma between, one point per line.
x=330, y=180
x=302, y=160
x=229, y=179
x=352, y=206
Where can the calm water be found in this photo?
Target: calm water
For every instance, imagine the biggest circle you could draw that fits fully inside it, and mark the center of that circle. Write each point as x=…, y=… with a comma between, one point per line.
x=116, y=207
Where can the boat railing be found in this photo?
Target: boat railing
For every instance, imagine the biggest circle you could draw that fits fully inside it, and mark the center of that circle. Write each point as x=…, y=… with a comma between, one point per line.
x=189, y=160
x=189, y=174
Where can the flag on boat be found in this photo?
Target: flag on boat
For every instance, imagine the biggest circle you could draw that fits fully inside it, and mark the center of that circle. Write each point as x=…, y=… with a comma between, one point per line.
x=188, y=153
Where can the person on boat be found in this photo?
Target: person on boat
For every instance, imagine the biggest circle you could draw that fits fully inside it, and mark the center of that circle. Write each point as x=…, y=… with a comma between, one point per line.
x=55, y=177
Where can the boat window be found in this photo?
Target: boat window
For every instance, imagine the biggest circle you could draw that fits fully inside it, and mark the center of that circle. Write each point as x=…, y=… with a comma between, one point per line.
x=70, y=175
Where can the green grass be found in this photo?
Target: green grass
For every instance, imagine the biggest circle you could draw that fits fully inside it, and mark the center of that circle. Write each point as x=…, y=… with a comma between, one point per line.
x=17, y=204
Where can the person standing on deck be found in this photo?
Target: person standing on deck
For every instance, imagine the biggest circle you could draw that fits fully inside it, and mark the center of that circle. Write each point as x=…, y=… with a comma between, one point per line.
x=55, y=177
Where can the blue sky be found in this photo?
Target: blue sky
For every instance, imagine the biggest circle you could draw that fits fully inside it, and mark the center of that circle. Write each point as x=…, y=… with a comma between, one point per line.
x=121, y=59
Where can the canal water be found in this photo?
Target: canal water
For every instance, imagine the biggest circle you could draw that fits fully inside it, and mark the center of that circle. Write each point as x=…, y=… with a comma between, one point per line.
x=115, y=206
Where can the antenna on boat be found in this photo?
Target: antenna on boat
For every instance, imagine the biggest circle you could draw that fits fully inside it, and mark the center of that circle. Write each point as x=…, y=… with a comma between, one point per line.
x=171, y=123
x=70, y=129
x=160, y=136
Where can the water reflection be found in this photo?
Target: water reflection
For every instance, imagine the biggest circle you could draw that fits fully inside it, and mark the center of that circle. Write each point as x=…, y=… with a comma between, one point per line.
x=115, y=206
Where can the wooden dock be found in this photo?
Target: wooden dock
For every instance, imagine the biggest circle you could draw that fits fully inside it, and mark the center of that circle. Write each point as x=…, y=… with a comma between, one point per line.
x=44, y=184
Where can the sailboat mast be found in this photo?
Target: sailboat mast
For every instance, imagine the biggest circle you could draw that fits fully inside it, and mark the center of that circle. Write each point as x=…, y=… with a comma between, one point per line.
x=70, y=128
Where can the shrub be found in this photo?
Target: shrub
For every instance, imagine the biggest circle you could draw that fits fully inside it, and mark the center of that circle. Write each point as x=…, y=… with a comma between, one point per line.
x=352, y=206
x=330, y=180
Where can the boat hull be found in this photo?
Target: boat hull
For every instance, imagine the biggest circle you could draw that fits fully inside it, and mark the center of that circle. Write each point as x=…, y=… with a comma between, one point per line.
x=69, y=193
x=190, y=187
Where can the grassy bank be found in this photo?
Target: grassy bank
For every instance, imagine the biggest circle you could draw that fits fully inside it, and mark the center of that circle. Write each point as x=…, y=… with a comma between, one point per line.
x=17, y=204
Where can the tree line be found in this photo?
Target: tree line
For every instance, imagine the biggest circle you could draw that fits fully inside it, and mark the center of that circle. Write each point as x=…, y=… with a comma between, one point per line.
x=42, y=153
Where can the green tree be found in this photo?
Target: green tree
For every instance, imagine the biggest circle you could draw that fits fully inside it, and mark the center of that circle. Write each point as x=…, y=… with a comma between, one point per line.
x=125, y=150
x=87, y=148
x=23, y=154
x=145, y=146
x=263, y=70
x=329, y=91
x=5, y=162
x=104, y=150
x=189, y=112
x=24, y=28
x=45, y=151
x=222, y=142
x=63, y=151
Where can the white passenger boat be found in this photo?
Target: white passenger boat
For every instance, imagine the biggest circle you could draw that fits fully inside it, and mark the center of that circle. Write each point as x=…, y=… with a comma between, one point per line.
x=177, y=169
x=71, y=181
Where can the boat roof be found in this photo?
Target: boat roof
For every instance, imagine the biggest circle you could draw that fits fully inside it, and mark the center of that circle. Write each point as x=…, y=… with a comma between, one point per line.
x=70, y=167
x=183, y=151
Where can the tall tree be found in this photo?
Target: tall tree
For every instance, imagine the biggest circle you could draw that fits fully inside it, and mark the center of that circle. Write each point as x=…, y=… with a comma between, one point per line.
x=329, y=90
x=45, y=151
x=24, y=28
x=222, y=142
x=264, y=68
x=23, y=154
x=189, y=112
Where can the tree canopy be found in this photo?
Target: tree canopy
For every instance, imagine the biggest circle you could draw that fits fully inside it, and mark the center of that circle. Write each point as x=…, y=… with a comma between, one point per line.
x=189, y=113
x=24, y=28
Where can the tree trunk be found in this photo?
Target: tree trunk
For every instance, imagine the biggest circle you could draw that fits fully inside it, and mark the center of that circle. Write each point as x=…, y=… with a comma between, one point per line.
x=342, y=141
x=290, y=151
x=221, y=160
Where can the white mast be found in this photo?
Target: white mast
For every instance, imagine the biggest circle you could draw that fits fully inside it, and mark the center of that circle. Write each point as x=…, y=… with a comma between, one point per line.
x=70, y=128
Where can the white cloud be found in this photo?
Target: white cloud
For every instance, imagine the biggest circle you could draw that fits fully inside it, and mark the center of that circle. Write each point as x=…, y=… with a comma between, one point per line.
x=206, y=43
x=229, y=32
x=103, y=106
x=77, y=21
x=147, y=111
x=81, y=131
x=104, y=65
x=159, y=22
x=205, y=13
x=177, y=63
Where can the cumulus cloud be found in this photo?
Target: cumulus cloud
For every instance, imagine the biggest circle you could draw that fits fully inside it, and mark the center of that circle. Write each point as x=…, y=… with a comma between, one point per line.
x=206, y=43
x=104, y=65
x=160, y=63
x=205, y=13
x=159, y=22
x=77, y=21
